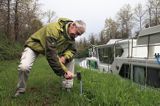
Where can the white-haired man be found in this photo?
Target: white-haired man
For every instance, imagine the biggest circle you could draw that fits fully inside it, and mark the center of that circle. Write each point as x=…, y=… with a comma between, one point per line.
x=57, y=42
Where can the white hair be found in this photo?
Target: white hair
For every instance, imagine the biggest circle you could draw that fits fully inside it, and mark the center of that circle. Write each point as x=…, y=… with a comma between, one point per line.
x=81, y=26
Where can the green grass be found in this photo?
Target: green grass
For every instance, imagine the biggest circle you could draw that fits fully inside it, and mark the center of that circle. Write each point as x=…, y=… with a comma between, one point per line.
x=43, y=88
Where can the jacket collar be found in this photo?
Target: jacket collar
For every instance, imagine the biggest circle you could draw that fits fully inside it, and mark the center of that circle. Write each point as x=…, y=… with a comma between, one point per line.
x=66, y=31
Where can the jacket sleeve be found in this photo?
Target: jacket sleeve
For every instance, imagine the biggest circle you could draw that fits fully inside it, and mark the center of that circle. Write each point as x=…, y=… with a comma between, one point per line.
x=70, y=52
x=69, y=55
x=52, y=56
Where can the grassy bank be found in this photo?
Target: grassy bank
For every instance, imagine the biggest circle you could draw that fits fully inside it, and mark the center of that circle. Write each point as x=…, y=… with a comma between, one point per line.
x=43, y=88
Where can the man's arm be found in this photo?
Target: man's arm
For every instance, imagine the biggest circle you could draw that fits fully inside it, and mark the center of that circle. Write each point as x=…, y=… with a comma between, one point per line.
x=52, y=58
x=69, y=54
x=54, y=61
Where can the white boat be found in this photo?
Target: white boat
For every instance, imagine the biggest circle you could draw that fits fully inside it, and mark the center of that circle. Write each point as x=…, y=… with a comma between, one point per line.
x=135, y=59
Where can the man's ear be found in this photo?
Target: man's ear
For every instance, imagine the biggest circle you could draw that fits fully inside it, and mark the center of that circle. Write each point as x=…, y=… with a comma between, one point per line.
x=73, y=24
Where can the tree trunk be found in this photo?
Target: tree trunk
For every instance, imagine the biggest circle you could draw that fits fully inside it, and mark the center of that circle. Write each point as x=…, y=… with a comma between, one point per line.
x=8, y=19
x=16, y=23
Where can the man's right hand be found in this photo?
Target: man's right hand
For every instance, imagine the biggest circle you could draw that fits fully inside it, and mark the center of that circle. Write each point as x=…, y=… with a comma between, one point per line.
x=68, y=75
x=62, y=59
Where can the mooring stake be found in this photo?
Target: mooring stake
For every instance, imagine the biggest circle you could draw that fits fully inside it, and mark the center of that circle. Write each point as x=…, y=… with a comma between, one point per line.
x=79, y=77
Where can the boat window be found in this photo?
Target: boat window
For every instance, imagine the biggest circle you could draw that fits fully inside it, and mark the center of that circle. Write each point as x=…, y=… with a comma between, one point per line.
x=106, y=54
x=118, y=50
x=151, y=75
x=139, y=74
x=125, y=71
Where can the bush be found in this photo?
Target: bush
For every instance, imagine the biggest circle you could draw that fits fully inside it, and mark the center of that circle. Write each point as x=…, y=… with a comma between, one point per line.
x=8, y=49
x=82, y=53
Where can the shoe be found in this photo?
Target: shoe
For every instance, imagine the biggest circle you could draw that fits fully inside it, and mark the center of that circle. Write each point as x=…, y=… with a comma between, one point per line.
x=17, y=94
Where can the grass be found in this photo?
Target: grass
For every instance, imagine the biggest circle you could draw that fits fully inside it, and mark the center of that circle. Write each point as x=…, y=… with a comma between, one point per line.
x=43, y=88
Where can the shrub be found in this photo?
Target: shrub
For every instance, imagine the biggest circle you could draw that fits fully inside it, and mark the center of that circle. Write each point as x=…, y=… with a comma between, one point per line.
x=8, y=49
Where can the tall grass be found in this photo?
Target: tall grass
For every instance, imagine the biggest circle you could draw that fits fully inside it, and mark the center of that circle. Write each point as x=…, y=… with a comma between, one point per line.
x=99, y=89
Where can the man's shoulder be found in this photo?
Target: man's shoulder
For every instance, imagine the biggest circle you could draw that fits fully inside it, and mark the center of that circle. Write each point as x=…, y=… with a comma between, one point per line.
x=54, y=25
x=64, y=20
x=59, y=23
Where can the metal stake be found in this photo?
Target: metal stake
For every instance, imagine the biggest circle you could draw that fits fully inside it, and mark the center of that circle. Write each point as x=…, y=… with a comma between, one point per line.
x=79, y=77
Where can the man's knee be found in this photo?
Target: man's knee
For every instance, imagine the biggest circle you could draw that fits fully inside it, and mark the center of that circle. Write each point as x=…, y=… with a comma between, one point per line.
x=24, y=68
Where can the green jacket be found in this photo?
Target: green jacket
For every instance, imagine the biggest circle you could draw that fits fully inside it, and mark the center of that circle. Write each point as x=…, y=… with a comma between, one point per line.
x=53, y=41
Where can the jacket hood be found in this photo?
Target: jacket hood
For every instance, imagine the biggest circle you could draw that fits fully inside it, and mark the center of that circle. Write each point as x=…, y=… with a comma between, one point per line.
x=63, y=21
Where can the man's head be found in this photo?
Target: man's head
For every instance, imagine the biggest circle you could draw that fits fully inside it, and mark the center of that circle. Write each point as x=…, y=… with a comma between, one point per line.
x=76, y=28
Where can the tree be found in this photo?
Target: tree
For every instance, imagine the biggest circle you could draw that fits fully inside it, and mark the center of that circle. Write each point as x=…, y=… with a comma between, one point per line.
x=125, y=17
x=153, y=12
x=139, y=14
x=16, y=22
x=26, y=11
x=92, y=39
x=8, y=18
x=102, y=39
x=35, y=25
x=82, y=48
x=50, y=16
x=5, y=23
x=156, y=11
x=85, y=43
x=111, y=29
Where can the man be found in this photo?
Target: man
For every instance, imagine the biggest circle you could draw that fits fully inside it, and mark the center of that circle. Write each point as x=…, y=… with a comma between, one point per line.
x=57, y=42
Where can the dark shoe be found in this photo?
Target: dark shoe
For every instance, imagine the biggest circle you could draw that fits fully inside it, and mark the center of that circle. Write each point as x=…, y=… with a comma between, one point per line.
x=17, y=94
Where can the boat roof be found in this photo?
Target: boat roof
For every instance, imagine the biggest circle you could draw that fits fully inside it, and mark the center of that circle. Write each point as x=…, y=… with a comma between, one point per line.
x=150, y=31
x=110, y=42
x=119, y=41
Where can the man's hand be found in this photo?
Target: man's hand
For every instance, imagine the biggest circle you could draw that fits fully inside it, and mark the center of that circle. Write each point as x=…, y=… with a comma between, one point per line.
x=62, y=59
x=68, y=75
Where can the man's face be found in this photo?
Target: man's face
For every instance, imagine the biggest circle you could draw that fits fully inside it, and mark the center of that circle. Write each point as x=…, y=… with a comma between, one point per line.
x=73, y=31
